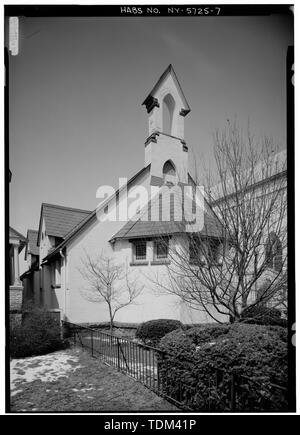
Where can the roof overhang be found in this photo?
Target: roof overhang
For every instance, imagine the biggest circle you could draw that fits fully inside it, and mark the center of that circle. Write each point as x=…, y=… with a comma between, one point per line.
x=72, y=234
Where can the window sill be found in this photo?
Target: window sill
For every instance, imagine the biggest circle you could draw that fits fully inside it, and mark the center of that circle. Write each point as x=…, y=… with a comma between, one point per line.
x=160, y=262
x=139, y=263
x=56, y=286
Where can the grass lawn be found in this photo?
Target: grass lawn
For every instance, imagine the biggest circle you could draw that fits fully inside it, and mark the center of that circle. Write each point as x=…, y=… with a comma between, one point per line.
x=71, y=380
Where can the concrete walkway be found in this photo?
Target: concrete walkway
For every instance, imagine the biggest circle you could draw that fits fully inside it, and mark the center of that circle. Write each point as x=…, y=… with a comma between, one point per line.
x=71, y=380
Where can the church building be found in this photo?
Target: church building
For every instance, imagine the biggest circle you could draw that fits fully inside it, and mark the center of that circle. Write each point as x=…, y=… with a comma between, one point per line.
x=140, y=243
x=134, y=232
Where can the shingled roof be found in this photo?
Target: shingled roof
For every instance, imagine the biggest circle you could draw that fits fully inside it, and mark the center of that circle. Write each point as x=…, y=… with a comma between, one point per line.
x=32, y=247
x=140, y=229
x=93, y=215
x=60, y=220
x=142, y=226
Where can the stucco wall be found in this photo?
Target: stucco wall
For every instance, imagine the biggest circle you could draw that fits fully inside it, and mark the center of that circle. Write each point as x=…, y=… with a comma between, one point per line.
x=167, y=148
x=94, y=240
x=151, y=303
x=46, y=242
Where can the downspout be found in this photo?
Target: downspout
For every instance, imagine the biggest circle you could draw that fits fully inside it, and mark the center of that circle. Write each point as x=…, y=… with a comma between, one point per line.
x=65, y=282
x=41, y=285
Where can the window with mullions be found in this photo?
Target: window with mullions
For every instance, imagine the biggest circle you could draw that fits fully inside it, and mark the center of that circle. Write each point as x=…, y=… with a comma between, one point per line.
x=161, y=249
x=140, y=251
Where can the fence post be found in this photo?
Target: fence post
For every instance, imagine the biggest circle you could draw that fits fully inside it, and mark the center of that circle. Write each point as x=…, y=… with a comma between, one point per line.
x=61, y=324
x=92, y=342
x=118, y=349
x=158, y=362
x=232, y=393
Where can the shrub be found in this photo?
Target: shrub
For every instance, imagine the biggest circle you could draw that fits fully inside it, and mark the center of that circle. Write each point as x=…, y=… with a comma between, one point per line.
x=200, y=362
x=261, y=315
x=152, y=331
x=38, y=334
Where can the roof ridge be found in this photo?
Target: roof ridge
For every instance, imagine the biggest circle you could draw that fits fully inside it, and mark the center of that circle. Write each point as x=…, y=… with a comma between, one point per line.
x=63, y=207
x=94, y=212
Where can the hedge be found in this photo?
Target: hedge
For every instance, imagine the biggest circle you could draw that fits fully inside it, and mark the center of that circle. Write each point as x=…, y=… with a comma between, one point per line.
x=261, y=315
x=38, y=334
x=152, y=331
x=200, y=362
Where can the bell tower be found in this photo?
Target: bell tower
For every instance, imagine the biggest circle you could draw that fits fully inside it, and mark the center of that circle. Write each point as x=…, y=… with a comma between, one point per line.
x=165, y=146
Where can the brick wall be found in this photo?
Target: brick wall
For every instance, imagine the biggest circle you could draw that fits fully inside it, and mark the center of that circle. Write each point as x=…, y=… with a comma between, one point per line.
x=15, y=298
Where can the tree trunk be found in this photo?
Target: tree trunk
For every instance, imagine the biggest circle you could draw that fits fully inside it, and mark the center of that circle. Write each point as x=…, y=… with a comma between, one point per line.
x=111, y=326
x=111, y=320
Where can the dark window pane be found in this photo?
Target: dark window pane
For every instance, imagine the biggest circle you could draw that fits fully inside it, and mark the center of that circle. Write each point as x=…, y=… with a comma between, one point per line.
x=193, y=253
x=161, y=249
x=140, y=251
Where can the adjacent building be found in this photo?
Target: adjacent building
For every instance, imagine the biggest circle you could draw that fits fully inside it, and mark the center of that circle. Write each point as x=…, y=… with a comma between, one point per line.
x=16, y=244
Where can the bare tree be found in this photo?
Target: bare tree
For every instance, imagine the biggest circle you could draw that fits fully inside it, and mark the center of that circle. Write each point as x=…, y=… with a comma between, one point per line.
x=109, y=282
x=239, y=257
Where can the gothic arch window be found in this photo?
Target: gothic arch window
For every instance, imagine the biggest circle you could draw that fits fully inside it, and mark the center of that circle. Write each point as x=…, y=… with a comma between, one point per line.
x=169, y=168
x=274, y=252
x=168, y=114
x=169, y=172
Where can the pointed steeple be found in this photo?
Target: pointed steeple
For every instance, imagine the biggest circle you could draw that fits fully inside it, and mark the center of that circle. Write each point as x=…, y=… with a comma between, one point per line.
x=167, y=107
x=152, y=101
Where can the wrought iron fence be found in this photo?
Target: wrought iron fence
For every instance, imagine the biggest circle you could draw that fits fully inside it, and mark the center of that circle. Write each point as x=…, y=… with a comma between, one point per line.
x=177, y=379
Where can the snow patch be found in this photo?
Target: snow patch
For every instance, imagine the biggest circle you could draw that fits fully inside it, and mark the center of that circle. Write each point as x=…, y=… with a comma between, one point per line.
x=46, y=368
